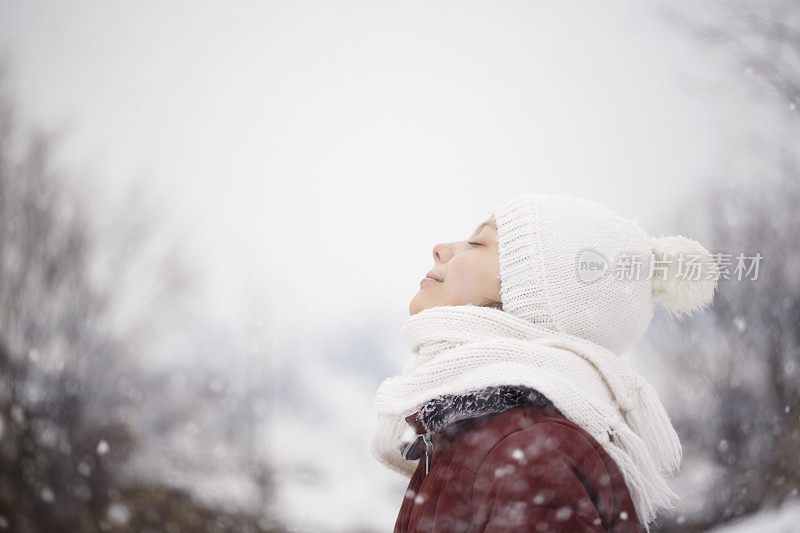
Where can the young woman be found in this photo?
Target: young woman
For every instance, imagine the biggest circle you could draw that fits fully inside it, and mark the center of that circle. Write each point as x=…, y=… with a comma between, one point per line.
x=516, y=412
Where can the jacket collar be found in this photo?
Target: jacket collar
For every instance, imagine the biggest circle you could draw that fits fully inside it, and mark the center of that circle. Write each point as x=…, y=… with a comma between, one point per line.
x=443, y=411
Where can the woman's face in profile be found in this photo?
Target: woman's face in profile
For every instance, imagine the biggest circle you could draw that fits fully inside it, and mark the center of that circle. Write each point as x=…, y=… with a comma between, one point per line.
x=464, y=272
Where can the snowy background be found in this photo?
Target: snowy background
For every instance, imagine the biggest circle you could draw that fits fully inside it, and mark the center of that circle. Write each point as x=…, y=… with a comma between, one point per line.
x=213, y=217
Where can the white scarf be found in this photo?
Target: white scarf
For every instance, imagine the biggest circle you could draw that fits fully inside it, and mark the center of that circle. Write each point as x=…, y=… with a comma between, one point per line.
x=458, y=349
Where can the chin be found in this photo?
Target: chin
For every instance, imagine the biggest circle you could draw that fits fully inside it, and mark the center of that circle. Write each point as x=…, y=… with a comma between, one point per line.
x=417, y=304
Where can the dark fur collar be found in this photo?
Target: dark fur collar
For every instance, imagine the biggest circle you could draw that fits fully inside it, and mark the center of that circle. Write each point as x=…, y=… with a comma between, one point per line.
x=443, y=411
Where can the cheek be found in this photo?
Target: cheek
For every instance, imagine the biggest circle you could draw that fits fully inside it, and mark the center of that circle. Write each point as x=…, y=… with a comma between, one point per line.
x=466, y=280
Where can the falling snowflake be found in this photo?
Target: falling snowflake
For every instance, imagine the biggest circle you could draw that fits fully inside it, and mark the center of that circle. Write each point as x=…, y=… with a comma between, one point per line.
x=563, y=513
x=47, y=495
x=102, y=447
x=84, y=469
x=118, y=514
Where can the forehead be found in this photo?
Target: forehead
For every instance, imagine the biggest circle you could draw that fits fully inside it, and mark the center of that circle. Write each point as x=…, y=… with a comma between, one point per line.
x=481, y=226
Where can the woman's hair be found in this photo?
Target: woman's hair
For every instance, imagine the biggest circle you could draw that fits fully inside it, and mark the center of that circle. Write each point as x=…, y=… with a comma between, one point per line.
x=493, y=303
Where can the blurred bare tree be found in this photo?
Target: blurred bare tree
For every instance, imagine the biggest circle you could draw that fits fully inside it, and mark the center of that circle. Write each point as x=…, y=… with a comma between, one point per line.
x=69, y=379
x=738, y=368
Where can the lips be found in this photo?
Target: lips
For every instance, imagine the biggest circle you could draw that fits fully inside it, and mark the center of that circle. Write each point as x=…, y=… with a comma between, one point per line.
x=434, y=278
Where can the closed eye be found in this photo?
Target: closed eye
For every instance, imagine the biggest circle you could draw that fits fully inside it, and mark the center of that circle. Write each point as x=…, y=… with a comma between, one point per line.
x=475, y=243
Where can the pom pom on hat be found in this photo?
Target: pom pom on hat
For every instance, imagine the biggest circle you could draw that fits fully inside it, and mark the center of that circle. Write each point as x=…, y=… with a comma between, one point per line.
x=684, y=274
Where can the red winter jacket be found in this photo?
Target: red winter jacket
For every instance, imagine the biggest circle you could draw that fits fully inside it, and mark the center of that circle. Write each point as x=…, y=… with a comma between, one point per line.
x=526, y=468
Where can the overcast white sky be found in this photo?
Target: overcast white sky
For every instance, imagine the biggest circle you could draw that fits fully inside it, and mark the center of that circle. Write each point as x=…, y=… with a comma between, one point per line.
x=325, y=147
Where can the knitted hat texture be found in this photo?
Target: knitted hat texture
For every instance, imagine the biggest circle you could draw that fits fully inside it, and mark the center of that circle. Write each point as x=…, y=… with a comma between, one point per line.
x=560, y=259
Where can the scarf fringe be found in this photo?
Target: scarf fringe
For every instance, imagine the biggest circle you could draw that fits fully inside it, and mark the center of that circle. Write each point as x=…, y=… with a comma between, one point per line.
x=651, y=421
x=648, y=488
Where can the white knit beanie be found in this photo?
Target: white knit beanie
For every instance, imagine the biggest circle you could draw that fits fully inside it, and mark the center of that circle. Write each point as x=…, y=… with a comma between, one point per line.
x=559, y=267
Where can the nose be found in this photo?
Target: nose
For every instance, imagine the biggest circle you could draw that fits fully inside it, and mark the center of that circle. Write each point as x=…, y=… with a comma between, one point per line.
x=441, y=252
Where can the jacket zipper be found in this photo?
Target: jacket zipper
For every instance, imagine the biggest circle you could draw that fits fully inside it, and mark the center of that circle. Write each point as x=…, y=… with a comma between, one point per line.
x=426, y=438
